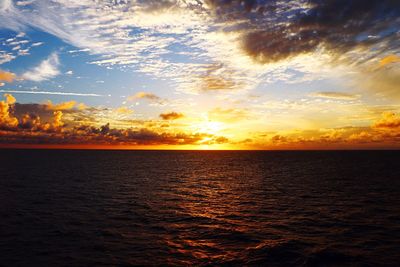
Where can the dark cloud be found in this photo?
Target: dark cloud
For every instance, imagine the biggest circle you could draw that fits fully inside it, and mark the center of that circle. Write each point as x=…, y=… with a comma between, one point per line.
x=171, y=116
x=275, y=30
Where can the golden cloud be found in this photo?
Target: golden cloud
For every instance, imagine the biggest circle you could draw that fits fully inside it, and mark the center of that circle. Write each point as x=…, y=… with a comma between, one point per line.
x=29, y=128
x=389, y=60
x=61, y=106
x=7, y=120
x=171, y=116
x=388, y=120
x=7, y=76
x=229, y=115
x=144, y=95
x=335, y=95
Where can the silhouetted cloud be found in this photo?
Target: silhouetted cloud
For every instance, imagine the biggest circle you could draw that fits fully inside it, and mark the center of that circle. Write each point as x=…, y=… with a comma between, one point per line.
x=45, y=124
x=171, y=116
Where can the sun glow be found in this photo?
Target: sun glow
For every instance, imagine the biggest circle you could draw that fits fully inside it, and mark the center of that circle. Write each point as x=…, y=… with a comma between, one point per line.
x=210, y=127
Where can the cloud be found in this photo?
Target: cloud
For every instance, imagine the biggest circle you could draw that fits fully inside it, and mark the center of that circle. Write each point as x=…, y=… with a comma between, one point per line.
x=58, y=119
x=46, y=70
x=61, y=106
x=7, y=76
x=277, y=30
x=6, y=57
x=229, y=115
x=335, y=95
x=388, y=120
x=37, y=124
x=48, y=93
x=124, y=111
x=7, y=120
x=171, y=116
x=145, y=95
x=238, y=36
x=389, y=60
x=218, y=77
x=384, y=81
x=144, y=35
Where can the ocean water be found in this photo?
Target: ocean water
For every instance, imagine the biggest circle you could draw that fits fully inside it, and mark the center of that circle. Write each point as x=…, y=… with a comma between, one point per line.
x=199, y=208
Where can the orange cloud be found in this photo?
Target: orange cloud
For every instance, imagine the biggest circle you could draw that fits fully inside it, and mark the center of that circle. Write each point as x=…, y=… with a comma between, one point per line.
x=61, y=106
x=124, y=110
x=7, y=76
x=144, y=95
x=10, y=99
x=388, y=120
x=58, y=119
x=21, y=124
x=171, y=116
x=389, y=60
x=7, y=120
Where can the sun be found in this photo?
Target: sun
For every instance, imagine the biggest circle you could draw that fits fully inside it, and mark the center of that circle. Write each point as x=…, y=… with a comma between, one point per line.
x=211, y=127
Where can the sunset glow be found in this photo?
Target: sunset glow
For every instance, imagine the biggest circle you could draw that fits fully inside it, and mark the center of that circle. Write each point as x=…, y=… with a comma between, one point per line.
x=182, y=74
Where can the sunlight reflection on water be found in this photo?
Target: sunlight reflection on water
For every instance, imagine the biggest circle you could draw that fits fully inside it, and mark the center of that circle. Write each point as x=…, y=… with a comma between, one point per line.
x=199, y=208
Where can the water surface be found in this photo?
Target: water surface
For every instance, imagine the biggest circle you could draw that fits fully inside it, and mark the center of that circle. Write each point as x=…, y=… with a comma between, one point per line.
x=232, y=208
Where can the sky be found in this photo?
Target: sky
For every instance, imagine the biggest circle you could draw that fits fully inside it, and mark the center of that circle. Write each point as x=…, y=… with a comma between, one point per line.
x=200, y=74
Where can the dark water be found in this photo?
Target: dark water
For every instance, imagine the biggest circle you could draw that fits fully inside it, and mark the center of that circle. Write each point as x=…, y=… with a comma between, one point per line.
x=128, y=208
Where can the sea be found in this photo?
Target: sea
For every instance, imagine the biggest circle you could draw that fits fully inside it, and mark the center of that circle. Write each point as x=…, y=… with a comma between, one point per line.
x=199, y=208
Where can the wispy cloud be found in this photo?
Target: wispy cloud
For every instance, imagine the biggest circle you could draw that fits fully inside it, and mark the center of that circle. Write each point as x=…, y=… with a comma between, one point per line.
x=250, y=42
x=48, y=93
x=335, y=95
x=148, y=96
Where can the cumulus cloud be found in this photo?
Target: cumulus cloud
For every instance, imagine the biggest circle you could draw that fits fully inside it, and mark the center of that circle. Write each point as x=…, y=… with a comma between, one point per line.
x=171, y=116
x=388, y=120
x=7, y=120
x=46, y=70
x=383, y=132
x=39, y=124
